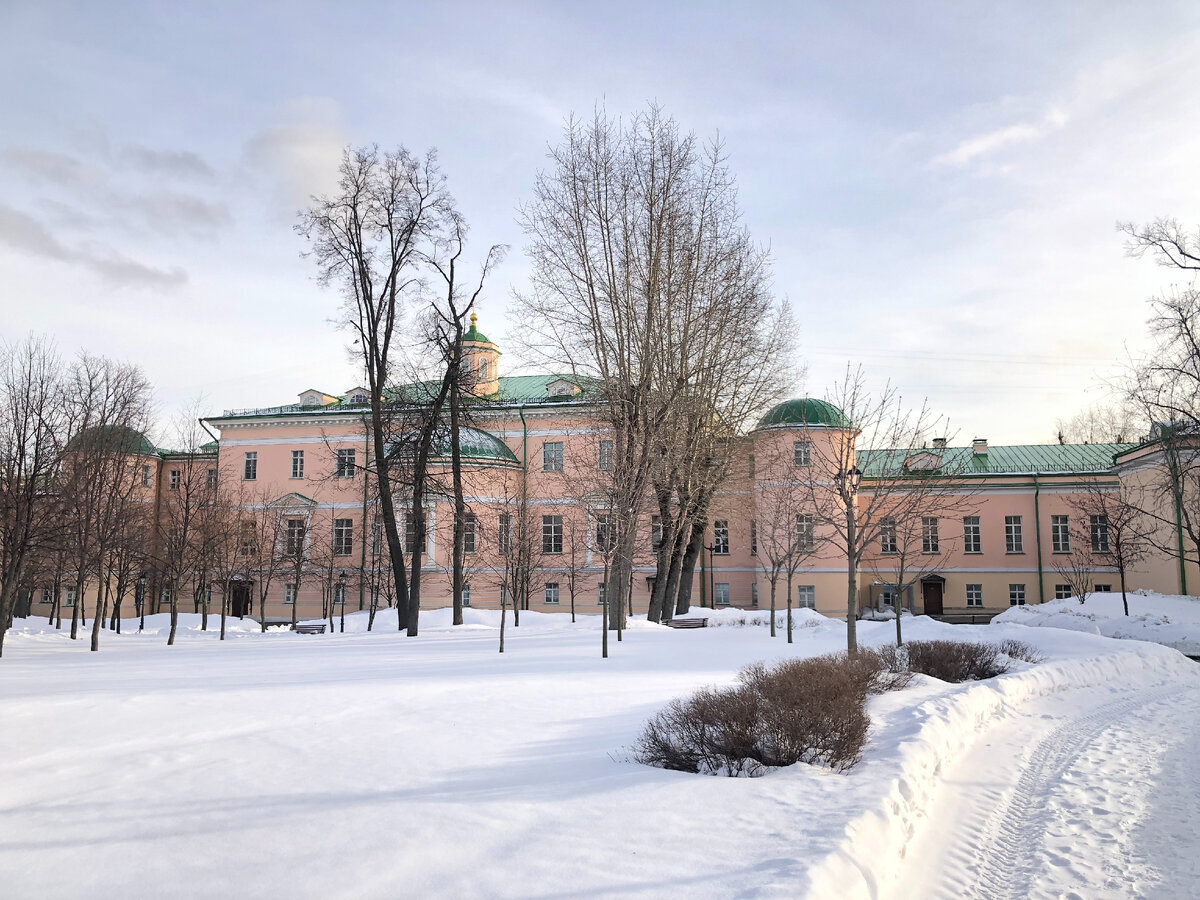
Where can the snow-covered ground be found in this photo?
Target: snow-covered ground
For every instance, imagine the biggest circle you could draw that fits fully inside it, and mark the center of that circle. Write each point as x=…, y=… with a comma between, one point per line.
x=1163, y=618
x=376, y=765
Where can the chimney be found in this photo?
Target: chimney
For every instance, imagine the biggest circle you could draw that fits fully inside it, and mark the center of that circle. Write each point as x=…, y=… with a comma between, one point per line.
x=939, y=443
x=979, y=446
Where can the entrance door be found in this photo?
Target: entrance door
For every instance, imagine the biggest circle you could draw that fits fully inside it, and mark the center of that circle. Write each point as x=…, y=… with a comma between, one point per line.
x=931, y=593
x=239, y=599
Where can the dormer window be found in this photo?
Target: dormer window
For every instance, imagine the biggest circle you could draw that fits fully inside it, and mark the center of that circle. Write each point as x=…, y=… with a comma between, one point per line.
x=561, y=388
x=358, y=399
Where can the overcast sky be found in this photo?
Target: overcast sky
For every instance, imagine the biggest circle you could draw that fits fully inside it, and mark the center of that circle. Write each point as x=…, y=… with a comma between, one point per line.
x=938, y=182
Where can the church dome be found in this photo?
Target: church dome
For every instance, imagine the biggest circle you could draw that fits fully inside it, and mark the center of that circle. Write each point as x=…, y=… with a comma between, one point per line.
x=806, y=412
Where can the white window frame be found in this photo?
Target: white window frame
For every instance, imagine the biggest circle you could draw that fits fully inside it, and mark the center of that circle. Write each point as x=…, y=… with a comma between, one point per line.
x=806, y=596
x=147, y=475
x=604, y=456
x=1101, y=534
x=297, y=464
x=552, y=534
x=887, y=536
x=805, y=540
x=930, y=539
x=972, y=535
x=552, y=456
x=346, y=459
x=1063, y=591
x=250, y=466
x=974, y=595
x=289, y=595
x=1060, y=534
x=343, y=537
x=1102, y=588
x=466, y=593
x=1014, y=535
x=802, y=454
x=720, y=537
x=470, y=532
x=721, y=593
x=1016, y=595
x=174, y=476
x=339, y=594
x=550, y=593
x=504, y=535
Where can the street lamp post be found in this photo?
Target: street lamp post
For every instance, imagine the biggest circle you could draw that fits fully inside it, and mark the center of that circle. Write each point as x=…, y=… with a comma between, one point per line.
x=342, y=598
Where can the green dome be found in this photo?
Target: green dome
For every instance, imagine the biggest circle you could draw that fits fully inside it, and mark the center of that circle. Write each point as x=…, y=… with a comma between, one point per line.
x=805, y=411
x=474, y=334
x=112, y=437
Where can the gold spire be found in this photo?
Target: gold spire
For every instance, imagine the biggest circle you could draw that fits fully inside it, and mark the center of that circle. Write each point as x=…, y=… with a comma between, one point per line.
x=473, y=318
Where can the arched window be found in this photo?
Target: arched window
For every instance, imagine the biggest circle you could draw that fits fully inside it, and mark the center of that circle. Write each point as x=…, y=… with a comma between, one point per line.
x=482, y=369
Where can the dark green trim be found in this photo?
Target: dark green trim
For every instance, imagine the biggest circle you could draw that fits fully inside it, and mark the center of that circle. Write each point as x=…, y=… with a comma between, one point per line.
x=1037, y=530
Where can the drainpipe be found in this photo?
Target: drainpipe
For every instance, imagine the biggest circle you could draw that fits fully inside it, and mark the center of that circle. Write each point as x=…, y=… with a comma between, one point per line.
x=362, y=564
x=703, y=580
x=525, y=504
x=1179, y=538
x=1037, y=530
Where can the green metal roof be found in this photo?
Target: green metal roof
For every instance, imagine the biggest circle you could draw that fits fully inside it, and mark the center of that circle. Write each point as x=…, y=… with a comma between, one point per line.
x=476, y=445
x=113, y=437
x=1020, y=459
x=805, y=411
x=474, y=334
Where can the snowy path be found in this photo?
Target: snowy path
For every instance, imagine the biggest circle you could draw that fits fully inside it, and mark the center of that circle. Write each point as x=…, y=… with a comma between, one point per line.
x=1079, y=797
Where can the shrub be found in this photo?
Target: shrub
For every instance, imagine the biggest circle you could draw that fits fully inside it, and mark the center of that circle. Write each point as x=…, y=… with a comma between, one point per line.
x=1020, y=650
x=955, y=661
x=804, y=710
x=881, y=669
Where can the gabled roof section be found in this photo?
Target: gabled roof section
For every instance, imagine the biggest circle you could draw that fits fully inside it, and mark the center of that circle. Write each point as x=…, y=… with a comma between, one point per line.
x=293, y=500
x=1020, y=459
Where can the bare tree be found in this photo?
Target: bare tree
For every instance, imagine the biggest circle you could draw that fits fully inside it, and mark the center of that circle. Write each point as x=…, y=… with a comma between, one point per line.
x=370, y=239
x=1114, y=528
x=851, y=507
x=639, y=259
x=1116, y=422
x=31, y=434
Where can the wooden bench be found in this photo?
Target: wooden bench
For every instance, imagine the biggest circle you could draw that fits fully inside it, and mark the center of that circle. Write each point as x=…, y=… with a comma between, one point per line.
x=310, y=628
x=686, y=623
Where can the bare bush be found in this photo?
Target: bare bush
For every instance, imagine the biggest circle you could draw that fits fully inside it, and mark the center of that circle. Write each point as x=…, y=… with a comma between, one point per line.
x=807, y=710
x=1020, y=650
x=956, y=661
x=881, y=669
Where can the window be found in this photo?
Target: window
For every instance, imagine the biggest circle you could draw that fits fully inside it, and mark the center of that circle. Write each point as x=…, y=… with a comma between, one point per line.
x=210, y=478
x=248, y=540
x=971, y=541
x=71, y=596
x=504, y=534
x=656, y=532
x=1103, y=589
x=720, y=537
x=754, y=594
x=250, y=467
x=804, y=532
x=929, y=534
x=551, y=594
x=1060, y=534
x=165, y=596
x=47, y=595
x=1063, y=591
x=345, y=464
x=605, y=456
x=721, y=593
x=377, y=538
x=481, y=369
x=358, y=399
x=806, y=596
x=466, y=593
x=289, y=595
x=887, y=535
x=1016, y=595
x=750, y=465
x=1100, y=534
x=600, y=594
x=552, y=456
x=753, y=538
x=410, y=532
x=173, y=480
x=802, y=451
x=339, y=594
x=469, y=524
x=343, y=537
x=552, y=534
x=147, y=475
x=606, y=538
x=297, y=463
x=1014, y=542
x=974, y=595
x=294, y=541
x=888, y=596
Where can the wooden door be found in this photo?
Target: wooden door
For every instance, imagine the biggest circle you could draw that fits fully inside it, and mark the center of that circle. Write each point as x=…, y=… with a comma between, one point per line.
x=931, y=593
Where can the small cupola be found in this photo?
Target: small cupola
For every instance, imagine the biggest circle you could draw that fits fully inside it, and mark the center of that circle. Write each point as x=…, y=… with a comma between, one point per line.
x=482, y=357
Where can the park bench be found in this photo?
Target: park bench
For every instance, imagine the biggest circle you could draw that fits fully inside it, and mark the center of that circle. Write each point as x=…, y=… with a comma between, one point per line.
x=686, y=623
x=310, y=628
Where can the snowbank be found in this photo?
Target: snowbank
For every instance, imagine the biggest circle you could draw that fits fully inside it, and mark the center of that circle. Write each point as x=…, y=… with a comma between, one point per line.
x=916, y=744
x=1171, y=620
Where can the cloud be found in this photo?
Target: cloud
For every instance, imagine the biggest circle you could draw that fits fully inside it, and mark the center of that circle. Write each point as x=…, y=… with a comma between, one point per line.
x=172, y=213
x=22, y=232
x=986, y=143
x=58, y=168
x=303, y=150
x=176, y=163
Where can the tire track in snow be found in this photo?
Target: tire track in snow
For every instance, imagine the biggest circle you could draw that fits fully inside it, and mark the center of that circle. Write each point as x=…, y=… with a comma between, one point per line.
x=1003, y=851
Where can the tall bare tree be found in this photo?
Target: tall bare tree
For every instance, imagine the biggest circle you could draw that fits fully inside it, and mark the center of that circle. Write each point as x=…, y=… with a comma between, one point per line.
x=1114, y=528
x=32, y=431
x=639, y=259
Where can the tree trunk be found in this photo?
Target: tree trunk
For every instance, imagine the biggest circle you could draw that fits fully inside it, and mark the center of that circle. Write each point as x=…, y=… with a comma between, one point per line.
x=774, y=579
x=687, y=572
x=789, y=607
x=175, y=589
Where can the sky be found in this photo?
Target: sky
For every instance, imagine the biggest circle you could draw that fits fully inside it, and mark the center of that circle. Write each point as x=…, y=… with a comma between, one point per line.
x=938, y=182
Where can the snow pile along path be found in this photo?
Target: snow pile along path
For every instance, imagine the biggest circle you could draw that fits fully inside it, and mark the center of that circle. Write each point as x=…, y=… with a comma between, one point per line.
x=931, y=738
x=1168, y=619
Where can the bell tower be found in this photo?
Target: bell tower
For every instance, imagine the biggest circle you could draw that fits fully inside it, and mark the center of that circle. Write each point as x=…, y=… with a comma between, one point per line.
x=483, y=357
